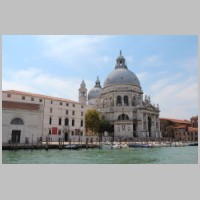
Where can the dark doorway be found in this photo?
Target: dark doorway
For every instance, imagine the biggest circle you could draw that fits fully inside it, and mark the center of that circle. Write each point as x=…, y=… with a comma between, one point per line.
x=66, y=136
x=16, y=136
x=134, y=130
x=149, y=126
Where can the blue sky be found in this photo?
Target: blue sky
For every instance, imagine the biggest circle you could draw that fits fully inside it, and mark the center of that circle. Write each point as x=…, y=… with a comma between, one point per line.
x=166, y=65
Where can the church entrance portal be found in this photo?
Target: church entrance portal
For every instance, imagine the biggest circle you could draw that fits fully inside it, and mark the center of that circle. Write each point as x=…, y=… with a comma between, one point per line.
x=66, y=136
x=134, y=130
x=15, y=138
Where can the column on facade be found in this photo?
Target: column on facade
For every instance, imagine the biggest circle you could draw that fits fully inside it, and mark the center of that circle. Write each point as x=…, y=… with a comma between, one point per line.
x=146, y=125
x=142, y=122
x=139, y=123
x=159, y=132
x=153, y=126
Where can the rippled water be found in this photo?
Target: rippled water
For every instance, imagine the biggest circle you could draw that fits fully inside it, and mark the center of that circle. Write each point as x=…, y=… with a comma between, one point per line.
x=168, y=155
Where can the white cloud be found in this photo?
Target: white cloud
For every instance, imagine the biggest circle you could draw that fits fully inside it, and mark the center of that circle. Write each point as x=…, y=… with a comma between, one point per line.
x=62, y=47
x=176, y=98
x=26, y=74
x=34, y=80
x=190, y=64
x=142, y=75
x=164, y=82
x=153, y=60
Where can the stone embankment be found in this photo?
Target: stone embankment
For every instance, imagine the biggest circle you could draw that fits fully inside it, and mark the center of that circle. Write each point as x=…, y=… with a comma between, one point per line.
x=78, y=145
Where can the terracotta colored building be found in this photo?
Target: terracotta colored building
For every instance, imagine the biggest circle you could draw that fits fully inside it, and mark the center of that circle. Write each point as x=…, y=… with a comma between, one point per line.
x=183, y=130
x=194, y=121
x=169, y=126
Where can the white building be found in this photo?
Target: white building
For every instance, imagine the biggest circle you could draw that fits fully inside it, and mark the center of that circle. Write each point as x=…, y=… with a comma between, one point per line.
x=28, y=116
x=121, y=102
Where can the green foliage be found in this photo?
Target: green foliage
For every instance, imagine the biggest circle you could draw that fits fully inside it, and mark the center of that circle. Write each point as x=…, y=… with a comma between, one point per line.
x=92, y=120
x=105, y=126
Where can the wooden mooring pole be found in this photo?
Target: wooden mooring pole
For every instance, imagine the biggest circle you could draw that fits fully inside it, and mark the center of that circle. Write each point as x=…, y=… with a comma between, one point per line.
x=47, y=145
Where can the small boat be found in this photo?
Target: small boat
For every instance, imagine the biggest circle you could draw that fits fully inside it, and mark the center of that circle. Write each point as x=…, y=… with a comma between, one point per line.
x=106, y=145
x=116, y=146
x=123, y=145
x=138, y=145
x=120, y=146
x=193, y=144
x=73, y=146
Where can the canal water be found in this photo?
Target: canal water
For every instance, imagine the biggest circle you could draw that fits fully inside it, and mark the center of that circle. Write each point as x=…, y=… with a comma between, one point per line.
x=159, y=155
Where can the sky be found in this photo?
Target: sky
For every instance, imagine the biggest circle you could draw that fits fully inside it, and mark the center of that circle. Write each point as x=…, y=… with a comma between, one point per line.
x=55, y=65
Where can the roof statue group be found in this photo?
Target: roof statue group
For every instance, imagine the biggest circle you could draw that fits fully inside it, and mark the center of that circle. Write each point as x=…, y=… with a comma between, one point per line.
x=121, y=102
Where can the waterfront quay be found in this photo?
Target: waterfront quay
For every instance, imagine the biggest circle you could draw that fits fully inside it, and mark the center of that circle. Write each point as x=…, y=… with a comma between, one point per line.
x=130, y=143
x=50, y=145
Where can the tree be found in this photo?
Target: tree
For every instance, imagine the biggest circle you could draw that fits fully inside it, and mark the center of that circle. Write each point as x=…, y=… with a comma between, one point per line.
x=105, y=126
x=92, y=120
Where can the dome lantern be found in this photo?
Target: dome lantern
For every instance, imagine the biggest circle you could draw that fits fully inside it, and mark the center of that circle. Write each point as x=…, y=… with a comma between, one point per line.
x=120, y=62
x=97, y=83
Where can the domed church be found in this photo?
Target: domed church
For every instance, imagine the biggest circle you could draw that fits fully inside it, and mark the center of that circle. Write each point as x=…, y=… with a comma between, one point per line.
x=121, y=102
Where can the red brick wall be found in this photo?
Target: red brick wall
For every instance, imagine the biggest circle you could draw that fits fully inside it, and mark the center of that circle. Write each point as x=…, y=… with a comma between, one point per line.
x=20, y=106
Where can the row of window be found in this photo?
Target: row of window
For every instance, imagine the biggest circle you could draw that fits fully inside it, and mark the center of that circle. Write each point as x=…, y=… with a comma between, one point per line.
x=122, y=128
x=23, y=98
x=66, y=122
x=189, y=138
x=185, y=133
x=125, y=100
x=67, y=104
x=40, y=100
x=67, y=112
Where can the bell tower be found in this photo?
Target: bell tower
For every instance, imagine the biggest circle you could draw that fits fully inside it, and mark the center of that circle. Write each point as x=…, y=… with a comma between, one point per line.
x=83, y=93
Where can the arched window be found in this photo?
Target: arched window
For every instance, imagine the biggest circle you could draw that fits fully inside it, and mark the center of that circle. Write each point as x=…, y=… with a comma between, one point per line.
x=50, y=120
x=119, y=101
x=17, y=121
x=73, y=122
x=123, y=117
x=66, y=121
x=126, y=100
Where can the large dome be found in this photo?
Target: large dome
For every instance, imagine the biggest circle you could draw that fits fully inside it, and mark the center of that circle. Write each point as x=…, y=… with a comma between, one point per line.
x=121, y=74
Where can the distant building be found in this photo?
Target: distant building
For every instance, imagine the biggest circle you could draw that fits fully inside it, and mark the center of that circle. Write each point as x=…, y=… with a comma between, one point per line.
x=193, y=130
x=168, y=126
x=179, y=129
x=194, y=121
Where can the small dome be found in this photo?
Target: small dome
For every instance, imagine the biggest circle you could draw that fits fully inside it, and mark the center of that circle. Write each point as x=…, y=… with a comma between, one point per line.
x=96, y=91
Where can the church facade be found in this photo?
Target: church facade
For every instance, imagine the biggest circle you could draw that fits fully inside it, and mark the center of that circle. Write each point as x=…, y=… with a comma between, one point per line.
x=121, y=101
